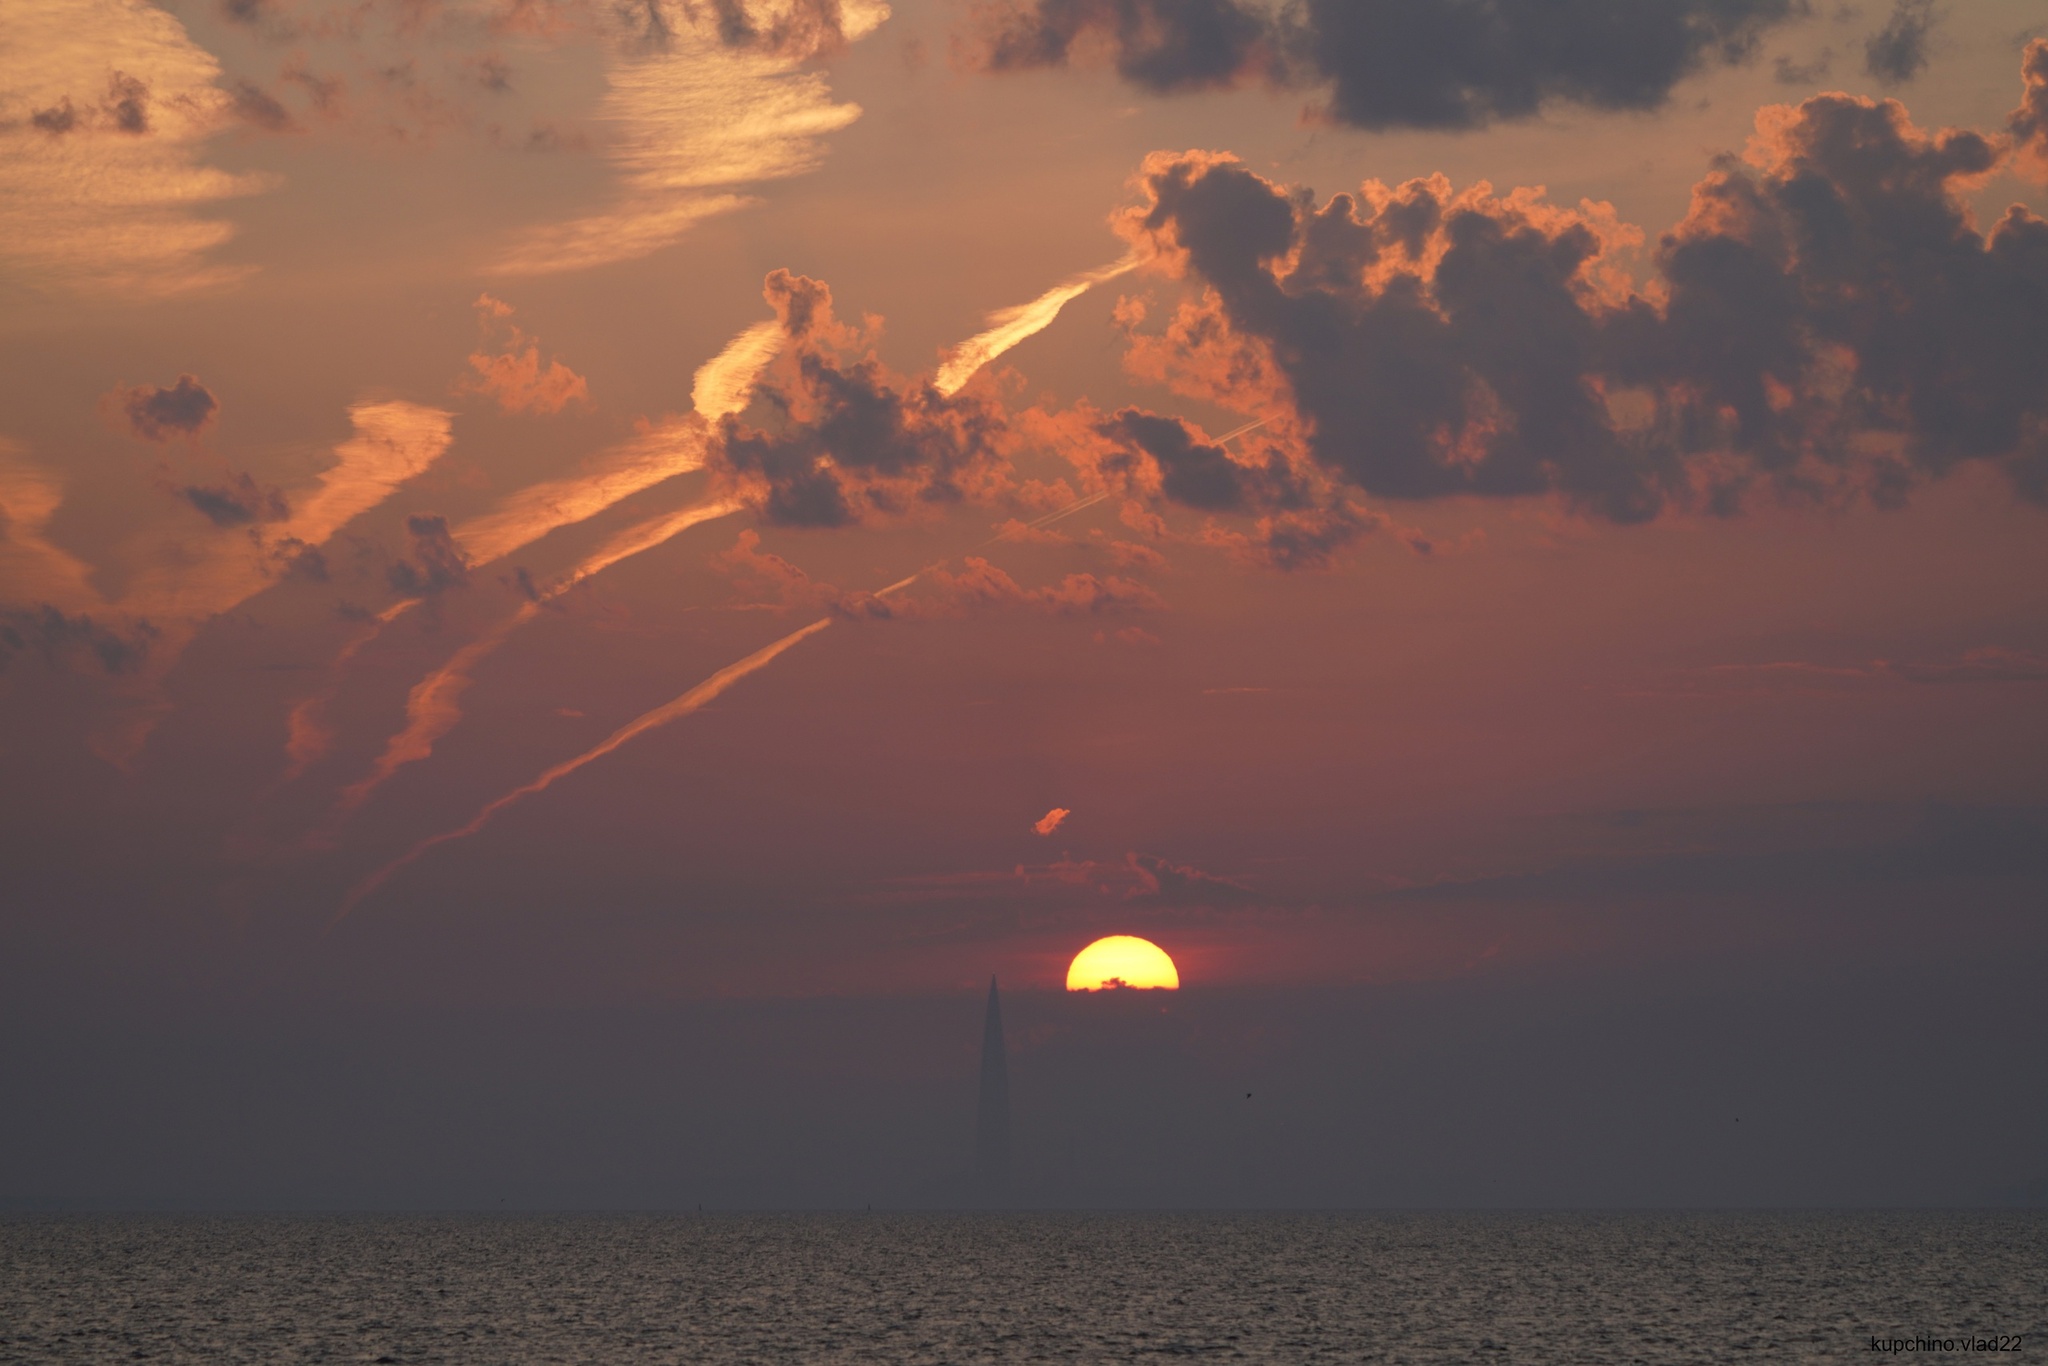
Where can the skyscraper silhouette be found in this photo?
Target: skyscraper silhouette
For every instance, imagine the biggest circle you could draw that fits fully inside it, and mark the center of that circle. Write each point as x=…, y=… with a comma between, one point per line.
x=992, y=1127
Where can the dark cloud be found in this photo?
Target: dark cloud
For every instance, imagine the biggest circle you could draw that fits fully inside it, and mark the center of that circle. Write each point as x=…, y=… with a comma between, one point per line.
x=59, y=638
x=1828, y=321
x=237, y=502
x=852, y=441
x=802, y=29
x=1788, y=72
x=127, y=103
x=437, y=562
x=124, y=108
x=301, y=561
x=1199, y=474
x=2028, y=124
x=1416, y=64
x=257, y=107
x=1897, y=52
x=58, y=118
x=158, y=414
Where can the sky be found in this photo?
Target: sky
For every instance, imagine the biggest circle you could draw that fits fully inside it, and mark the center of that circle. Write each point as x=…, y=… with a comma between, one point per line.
x=561, y=562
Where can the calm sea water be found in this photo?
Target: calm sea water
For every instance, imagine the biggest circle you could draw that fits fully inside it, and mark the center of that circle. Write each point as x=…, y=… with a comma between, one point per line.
x=1025, y=1287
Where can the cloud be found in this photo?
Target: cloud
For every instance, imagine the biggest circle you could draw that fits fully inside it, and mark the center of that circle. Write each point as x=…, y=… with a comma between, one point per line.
x=980, y=585
x=59, y=639
x=852, y=440
x=437, y=562
x=1826, y=321
x=1051, y=820
x=434, y=706
x=393, y=441
x=1987, y=664
x=32, y=568
x=2028, y=124
x=160, y=414
x=238, y=502
x=1897, y=52
x=107, y=108
x=724, y=385
x=708, y=101
x=1450, y=64
x=1788, y=72
x=1009, y=326
x=674, y=710
x=1182, y=884
x=512, y=373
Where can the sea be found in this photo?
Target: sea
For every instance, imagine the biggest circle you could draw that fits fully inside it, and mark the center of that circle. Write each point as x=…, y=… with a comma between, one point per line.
x=1026, y=1287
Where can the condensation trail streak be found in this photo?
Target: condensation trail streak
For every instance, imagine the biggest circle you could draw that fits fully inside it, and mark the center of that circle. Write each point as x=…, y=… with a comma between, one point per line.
x=1015, y=324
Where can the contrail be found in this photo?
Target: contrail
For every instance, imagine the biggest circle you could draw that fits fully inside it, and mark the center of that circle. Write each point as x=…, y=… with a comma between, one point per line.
x=307, y=734
x=680, y=707
x=1008, y=326
x=434, y=706
x=673, y=710
x=721, y=386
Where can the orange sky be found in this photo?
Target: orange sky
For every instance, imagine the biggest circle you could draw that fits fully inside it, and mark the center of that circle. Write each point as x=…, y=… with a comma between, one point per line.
x=543, y=365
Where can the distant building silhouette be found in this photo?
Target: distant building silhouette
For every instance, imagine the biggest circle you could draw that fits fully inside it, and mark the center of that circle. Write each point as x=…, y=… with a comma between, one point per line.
x=992, y=1126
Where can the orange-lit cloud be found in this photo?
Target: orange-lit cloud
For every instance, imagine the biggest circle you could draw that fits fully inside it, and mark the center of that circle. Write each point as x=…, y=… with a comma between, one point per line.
x=693, y=120
x=2028, y=124
x=34, y=570
x=1009, y=326
x=107, y=109
x=434, y=706
x=1051, y=820
x=394, y=441
x=513, y=373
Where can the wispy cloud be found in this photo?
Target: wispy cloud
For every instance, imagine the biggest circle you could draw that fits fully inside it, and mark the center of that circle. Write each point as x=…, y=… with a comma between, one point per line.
x=1009, y=326
x=106, y=109
x=693, y=121
x=691, y=701
x=34, y=570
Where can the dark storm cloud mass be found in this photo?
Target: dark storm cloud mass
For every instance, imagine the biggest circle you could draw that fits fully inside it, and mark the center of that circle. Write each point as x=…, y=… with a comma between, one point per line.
x=850, y=440
x=1897, y=52
x=1829, y=322
x=159, y=414
x=1408, y=64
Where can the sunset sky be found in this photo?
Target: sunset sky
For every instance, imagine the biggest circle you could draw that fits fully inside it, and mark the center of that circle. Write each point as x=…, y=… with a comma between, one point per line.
x=575, y=576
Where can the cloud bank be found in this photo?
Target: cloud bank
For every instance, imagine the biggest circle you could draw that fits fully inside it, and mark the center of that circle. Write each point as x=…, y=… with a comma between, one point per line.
x=1445, y=64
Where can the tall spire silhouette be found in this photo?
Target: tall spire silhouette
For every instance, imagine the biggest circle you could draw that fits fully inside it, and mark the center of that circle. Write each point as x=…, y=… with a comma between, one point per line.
x=992, y=1127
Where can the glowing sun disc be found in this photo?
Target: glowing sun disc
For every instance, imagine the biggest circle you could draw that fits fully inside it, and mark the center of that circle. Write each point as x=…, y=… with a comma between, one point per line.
x=1122, y=960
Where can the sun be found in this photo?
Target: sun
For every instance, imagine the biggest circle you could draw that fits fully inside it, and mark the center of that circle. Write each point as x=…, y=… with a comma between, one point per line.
x=1122, y=960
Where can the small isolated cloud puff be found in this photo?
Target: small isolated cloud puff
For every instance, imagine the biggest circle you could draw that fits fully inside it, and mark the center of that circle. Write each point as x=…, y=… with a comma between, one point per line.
x=182, y=409
x=512, y=373
x=1051, y=820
